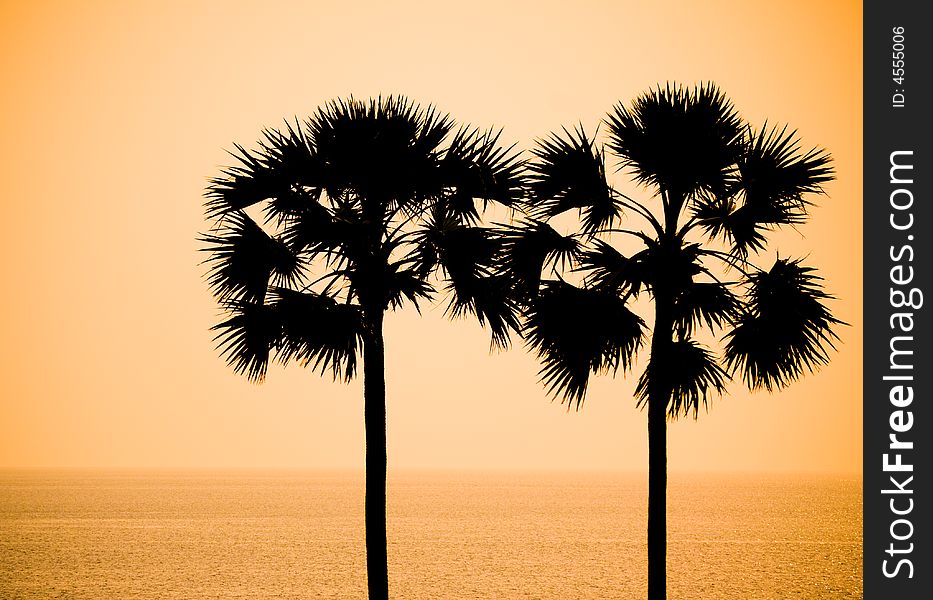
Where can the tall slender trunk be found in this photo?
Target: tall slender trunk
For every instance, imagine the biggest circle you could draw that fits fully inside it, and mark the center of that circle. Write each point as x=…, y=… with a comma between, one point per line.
x=659, y=392
x=657, y=500
x=374, y=395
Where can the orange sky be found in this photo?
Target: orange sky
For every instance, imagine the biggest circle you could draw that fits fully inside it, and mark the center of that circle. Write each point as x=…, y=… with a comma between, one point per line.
x=114, y=114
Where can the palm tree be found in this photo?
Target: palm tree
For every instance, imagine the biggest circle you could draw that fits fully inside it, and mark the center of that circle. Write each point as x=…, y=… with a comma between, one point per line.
x=715, y=188
x=364, y=207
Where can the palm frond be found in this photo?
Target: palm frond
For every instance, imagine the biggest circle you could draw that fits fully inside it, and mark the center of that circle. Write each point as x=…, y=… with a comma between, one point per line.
x=704, y=303
x=693, y=375
x=317, y=229
x=462, y=252
x=317, y=331
x=722, y=216
x=771, y=179
x=784, y=330
x=429, y=238
x=569, y=172
x=488, y=297
x=243, y=259
x=475, y=167
x=578, y=331
x=529, y=248
x=280, y=209
x=282, y=161
x=609, y=270
x=680, y=140
x=464, y=257
x=775, y=174
x=247, y=336
x=406, y=284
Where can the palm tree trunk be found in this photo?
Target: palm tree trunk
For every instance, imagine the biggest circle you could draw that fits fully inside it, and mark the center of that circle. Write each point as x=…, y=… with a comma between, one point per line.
x=374, y=394
x=658, y=396
x=657, y=500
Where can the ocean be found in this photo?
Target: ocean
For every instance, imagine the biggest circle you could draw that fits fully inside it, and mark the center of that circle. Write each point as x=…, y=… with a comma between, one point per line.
x=299, y=535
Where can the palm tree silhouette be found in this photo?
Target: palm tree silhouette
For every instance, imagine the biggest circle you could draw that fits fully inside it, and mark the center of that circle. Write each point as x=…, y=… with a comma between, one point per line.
x=367, y=207
x=716, y=188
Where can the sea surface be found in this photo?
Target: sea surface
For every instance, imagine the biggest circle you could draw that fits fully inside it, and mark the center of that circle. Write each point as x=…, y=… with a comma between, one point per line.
x=182, y=535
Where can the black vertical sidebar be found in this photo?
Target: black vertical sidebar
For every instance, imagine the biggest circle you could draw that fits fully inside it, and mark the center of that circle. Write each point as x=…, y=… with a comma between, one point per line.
x=898, y=301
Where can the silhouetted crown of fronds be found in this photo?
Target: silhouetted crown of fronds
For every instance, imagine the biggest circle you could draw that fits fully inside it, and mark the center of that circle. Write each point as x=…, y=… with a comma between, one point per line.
x=363, y=207
x=716, y=187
